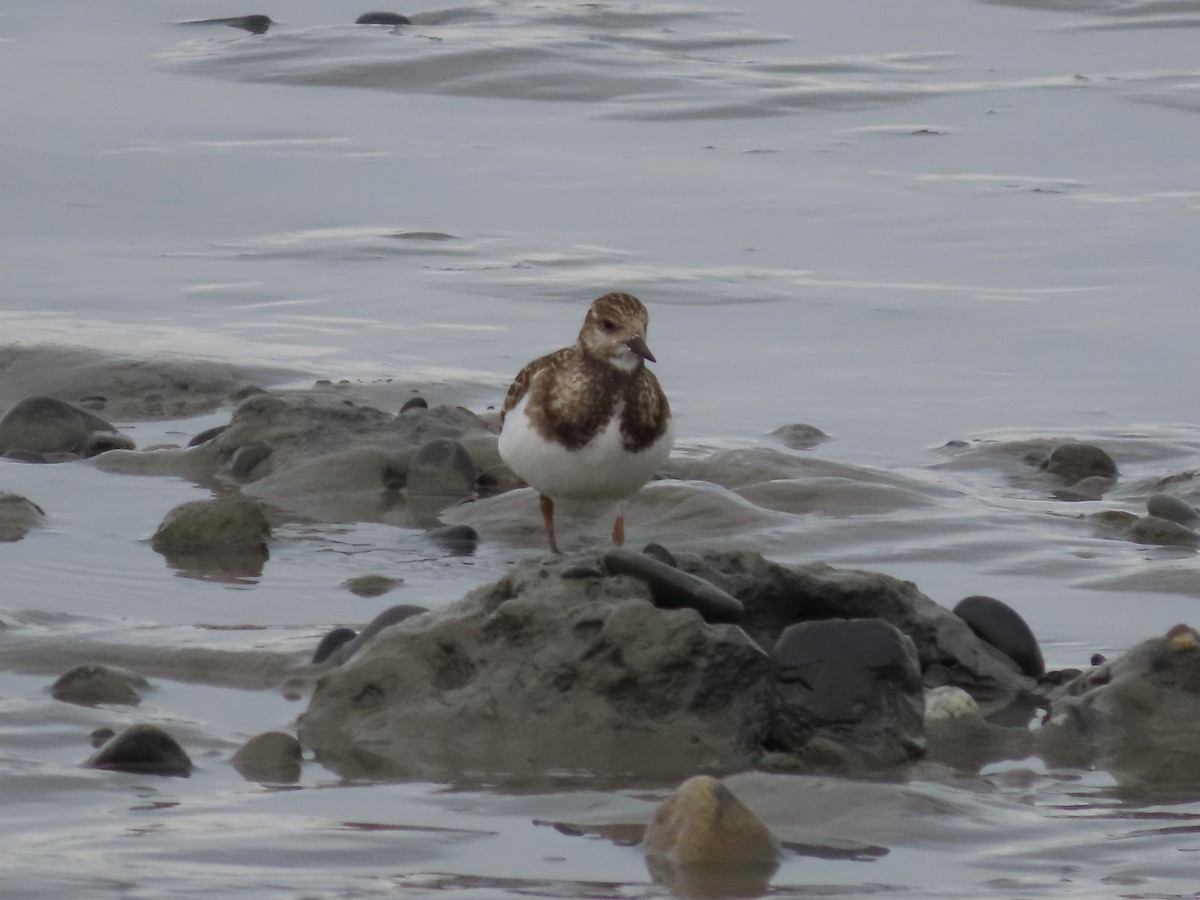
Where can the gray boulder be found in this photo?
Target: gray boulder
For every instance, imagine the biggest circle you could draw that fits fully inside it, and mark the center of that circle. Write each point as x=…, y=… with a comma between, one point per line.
x=92, y=685
x=18, y=516
x=227, y=535
x=47, y=425
x=142, y=750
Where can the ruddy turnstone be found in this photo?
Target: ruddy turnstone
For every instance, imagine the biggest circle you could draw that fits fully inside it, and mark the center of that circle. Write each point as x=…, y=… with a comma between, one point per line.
x=590, y=422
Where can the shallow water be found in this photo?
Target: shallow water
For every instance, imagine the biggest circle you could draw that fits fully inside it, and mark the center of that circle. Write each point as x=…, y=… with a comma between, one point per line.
x=906, y=224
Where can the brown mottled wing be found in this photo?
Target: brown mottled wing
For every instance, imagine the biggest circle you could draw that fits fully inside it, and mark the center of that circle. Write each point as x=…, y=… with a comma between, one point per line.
x=520, y=386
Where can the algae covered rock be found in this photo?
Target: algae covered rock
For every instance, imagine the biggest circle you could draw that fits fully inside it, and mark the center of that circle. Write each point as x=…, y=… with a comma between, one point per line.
x=226, y=535
x=143, y=750
x=47, y=425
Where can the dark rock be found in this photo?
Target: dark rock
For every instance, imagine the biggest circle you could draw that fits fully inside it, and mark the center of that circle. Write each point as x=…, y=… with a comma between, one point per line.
x=270, y=758
x=92, y=685
x=393, y=615
x=441, y=467
x=331, y=642
x=246, y=457
x=100, y=737
x=254, y=23
x=18, y=516
x=371, y=585
x=1002, y=627
x=142, y=750
x=457, y=540
x=673, y=589
x=383, y=18
x=660, y=553
x=415, y=402
x=207, y=435
x=48, y=425
x=855, y=683
x=1165, y=506
x=1074, y=462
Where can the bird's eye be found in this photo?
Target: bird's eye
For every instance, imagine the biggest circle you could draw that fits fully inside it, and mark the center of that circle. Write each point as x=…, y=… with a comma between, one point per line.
x=608, y=325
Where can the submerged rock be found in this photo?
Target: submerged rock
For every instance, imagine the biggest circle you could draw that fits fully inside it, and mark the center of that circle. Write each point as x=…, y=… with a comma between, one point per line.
x=1165, y=506
x=227, y=535
x=383, y=18
x=1137, y=716
x=92, y=685
x=1073, y=462
x=18, y=516
x=270, y=758
x=703, y=841
x=142, y=750
x=48, y=425
x=255, y=23
x=371, y=585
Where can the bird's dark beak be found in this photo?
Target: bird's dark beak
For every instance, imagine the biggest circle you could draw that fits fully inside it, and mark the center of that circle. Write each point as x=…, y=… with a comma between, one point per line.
x=638, y=345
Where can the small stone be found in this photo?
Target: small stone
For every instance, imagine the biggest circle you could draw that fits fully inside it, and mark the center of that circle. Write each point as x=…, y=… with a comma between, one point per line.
x=998, y=624
x=142, y=750
x=672, y=588
x=331, y=642
x=254, y=23
x=457, y=540
x=949, y=702
x=413, y=402
x=662, y=554
x=1073, y=462
x=226, y=535
x=246, y=457
x=1164, y=506
x=443, y=468
x=799, y=436
x=270, y=758
x=371, y=585
x=393, y=615
x=100, y=737
x=1162, y=533
x=705, y=822
x=92, y=685
x=207, y=435
x=382, y=18
x=102, y=441
x=48, y=425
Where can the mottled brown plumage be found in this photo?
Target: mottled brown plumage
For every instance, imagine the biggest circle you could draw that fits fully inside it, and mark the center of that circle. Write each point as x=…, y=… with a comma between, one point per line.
x=589, y=421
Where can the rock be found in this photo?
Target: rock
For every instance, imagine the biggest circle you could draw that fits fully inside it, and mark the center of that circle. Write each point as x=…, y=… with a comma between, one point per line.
x=1137, y=715
x=101, y=736
x=776, y=596
x=371, y=585
x=854, y=683
x=393, y=615
x=18, y=516
x=270, y=758
x=254, y=23
x=331, y=642
x=1161, y=532
x=441, y=467
x=457, y=540
x=92, y=685
x=142, y=750
x=539, y=671
x=799, y=437
x=207, y=435
x=383, y=18
x=1002, y=627
x=415, y=402
x=246, y=457
x=358, y=484
x=47, y=425
x=226, y=535
x=703, y=841
x=948, y=702
x=1164, y=506
x=102, y=441
x=1074, y=462
x=673, y=589
x=661, y=554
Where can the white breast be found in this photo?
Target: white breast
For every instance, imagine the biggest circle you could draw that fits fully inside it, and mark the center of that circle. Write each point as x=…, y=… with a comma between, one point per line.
x=601, y=469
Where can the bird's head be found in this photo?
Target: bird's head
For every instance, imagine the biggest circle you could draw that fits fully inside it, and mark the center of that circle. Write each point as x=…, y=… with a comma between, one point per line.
x=614, y=330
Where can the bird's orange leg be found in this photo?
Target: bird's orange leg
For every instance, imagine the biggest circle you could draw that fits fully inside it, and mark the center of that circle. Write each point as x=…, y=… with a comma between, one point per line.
x=548, y=517
x=619, y=529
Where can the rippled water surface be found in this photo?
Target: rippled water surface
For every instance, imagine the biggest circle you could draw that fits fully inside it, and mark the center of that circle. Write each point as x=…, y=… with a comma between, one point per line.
x=949, y=234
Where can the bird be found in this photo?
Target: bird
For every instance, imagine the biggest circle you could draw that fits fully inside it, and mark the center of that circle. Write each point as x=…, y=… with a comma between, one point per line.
x=590, y=422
